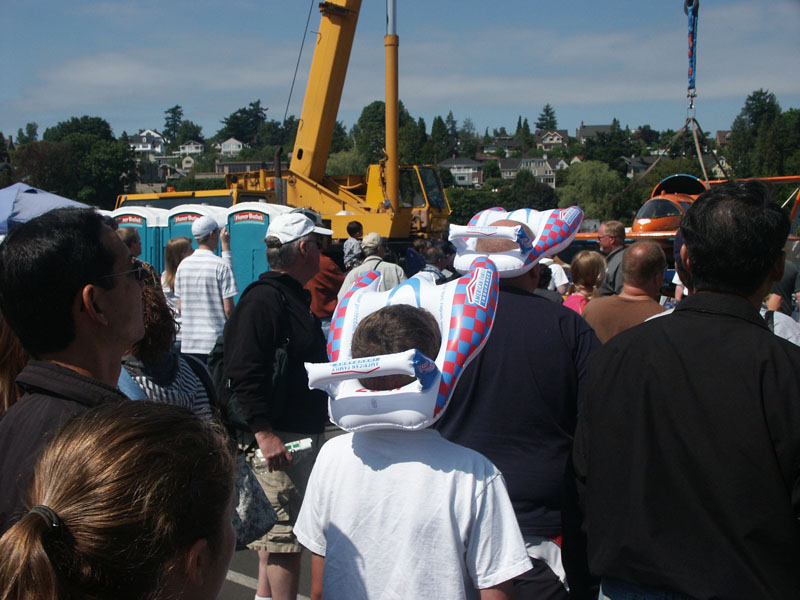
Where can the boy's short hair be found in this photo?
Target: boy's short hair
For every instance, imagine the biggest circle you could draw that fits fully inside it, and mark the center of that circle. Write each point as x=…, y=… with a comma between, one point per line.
x=392, y=329
x=353, y=228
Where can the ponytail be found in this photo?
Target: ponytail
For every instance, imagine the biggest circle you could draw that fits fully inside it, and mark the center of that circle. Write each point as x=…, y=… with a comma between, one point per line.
x=26, y=571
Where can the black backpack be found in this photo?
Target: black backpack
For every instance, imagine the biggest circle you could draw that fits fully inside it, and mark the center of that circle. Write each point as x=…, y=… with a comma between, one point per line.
x=229, y=409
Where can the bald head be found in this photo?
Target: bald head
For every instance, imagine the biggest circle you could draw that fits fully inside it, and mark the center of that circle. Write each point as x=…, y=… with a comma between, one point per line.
x=530, y=278
x=642, y=263
x=490, y=245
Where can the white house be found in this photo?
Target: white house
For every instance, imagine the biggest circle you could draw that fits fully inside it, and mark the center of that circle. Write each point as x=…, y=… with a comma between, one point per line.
x=230, y=147
x=147, y=143
x=190, y=147
x=466, y=172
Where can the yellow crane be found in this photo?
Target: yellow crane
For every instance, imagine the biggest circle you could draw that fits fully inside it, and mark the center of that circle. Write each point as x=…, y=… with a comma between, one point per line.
x=396, y=201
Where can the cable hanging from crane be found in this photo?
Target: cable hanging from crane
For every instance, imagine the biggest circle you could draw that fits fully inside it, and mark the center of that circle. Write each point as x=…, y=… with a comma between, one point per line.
x=297, y=66
x=691, y=8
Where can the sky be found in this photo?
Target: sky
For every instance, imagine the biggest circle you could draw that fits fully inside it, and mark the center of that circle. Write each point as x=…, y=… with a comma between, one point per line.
x=591, y=60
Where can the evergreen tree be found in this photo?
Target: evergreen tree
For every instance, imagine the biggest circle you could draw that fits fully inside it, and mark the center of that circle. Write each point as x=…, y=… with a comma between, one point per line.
x=756, y=118
x=547, y=119
x=172, y=122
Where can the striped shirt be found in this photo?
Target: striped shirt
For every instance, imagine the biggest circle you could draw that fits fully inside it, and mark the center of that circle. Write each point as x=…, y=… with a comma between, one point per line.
x=202, y=281
x=184, y=389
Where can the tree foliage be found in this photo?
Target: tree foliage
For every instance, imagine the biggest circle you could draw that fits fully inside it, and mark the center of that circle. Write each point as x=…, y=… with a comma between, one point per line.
x=757, y=117
x=31, y=134
x=173, y=117
x=526, y=192
x=547, y=119
x=609, y=147
x=491, y=170
x=188, y=131
x=78, y=159
x=591, y=185
x=244, y=123
x=92, y=126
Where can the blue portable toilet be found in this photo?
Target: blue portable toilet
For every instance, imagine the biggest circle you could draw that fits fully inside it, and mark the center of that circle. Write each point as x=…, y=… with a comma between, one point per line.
x=180, y=219
x=151, y=224
x=248, y=223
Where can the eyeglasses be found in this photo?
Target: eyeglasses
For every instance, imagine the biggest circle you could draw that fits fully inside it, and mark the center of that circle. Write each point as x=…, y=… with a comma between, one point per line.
x=600, y=237
x=139, y=273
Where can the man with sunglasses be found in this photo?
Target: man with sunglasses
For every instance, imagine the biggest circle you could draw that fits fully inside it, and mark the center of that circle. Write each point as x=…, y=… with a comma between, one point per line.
x=273, y=317
x=611, y=239
x=71, y=292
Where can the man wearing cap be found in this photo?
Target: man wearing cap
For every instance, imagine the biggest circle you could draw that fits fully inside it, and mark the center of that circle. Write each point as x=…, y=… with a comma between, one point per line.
x=273, y=317
x=205, y=287
x=391, y=274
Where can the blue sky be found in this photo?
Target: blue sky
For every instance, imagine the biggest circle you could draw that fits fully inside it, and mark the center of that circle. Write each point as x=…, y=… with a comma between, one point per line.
x=592, y=60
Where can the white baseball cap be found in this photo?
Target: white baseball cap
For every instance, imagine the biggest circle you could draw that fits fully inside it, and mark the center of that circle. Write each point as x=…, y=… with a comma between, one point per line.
x=291, y=226
x=203, y=226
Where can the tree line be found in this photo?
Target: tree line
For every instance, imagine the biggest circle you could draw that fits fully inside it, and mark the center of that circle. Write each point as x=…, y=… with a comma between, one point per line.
x=80, y=158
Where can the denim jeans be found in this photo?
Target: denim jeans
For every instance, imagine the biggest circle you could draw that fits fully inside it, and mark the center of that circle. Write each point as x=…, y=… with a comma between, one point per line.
x=612, y=589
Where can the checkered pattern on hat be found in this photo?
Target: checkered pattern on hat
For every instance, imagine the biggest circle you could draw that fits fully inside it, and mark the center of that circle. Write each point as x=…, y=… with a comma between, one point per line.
x=337, y=322
x=480, y=218
x=556, y=230
x=470, y=323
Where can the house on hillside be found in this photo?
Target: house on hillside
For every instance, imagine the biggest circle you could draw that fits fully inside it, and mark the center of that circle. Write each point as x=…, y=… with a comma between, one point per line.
x=722, y=137
x=541, y=168
x=190, y=147
x=509, y=167
x=147, y=144
x=546, y=140
x=505, y=143
x=466, y=172
x=230, y=147
x=587, y=132
x=636, y=165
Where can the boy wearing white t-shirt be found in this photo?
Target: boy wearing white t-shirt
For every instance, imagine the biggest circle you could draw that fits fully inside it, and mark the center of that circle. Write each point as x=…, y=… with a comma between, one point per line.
x=393, y=513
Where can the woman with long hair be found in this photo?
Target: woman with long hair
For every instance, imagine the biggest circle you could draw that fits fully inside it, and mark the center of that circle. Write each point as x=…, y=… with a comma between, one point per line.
x=12, y=359
x=163, y=374
x=176, y=250
x=587, y=271
x=130, y=501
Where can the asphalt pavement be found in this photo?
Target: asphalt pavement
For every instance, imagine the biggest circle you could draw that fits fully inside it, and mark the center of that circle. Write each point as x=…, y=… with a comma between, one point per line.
x=243, y=572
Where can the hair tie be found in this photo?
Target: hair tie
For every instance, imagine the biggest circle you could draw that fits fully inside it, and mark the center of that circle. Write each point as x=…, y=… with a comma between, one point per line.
x=54, y=522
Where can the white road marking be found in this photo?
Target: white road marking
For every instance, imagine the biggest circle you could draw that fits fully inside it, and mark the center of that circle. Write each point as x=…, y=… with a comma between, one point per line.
x=250, y=582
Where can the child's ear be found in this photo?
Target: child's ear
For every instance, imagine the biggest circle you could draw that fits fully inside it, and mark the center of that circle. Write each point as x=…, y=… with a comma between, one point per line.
x=198, y=560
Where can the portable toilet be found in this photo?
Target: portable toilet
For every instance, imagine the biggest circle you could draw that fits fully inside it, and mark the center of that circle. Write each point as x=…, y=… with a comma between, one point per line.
x=151, y=224
x=248, y=223
x=180, y=219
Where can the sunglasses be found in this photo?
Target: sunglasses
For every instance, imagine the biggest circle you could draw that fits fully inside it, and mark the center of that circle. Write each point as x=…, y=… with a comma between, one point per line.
x=139, y=273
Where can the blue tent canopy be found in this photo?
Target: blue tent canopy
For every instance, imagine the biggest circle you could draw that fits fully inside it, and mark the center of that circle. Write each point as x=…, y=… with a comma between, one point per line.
x=20, y=203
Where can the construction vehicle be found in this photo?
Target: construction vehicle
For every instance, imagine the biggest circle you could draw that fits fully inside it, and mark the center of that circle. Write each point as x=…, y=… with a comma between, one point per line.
x=398, y=202
x=171, y=199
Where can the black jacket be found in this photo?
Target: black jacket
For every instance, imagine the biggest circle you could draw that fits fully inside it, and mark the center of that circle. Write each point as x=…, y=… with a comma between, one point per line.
x=687, y=454
x=263, y=318
x=52, y=396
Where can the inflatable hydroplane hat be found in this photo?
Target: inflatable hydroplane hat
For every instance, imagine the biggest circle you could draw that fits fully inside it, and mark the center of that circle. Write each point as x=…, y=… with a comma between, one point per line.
x=464, y=311
x=552, y=230
x=203, y=226
x=291, y=226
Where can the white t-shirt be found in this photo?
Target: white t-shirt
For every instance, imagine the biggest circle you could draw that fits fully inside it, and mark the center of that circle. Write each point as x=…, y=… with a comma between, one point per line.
x=407, y=514
x=202, y=281
x=559, y=276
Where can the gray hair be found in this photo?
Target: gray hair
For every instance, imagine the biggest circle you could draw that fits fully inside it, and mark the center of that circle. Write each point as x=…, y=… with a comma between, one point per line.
x=282, y=256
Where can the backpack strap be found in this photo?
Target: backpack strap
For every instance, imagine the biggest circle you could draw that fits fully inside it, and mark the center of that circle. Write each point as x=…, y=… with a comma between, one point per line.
x=199, y=369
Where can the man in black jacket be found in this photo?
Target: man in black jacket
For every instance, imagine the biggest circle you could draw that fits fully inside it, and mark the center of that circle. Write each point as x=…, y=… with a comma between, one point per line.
x=71, y=292
x=688, y=443
x=272, y=310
